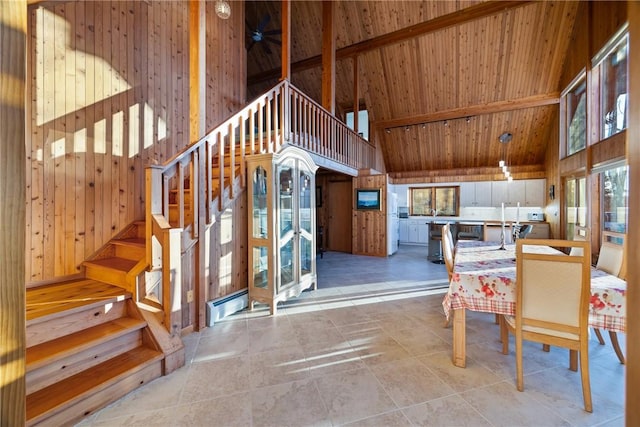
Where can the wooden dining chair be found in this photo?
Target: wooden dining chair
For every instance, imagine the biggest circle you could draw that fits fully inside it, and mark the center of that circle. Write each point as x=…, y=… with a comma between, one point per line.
x=552, y=304
x=448, y=254
x=448, y=248
x=611, y=259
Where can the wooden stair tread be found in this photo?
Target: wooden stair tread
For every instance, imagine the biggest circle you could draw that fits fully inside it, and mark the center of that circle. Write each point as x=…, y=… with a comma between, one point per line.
x=84, y=384
x=58, y=299
x=115, y=263
x=130, y=241
x=57, y=349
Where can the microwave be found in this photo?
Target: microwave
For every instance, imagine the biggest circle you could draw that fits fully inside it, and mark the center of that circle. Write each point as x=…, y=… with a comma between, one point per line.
x=535, y=216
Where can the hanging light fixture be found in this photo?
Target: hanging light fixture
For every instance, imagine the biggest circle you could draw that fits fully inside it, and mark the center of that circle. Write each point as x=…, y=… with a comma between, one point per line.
x=504, y=139
x=223, y=10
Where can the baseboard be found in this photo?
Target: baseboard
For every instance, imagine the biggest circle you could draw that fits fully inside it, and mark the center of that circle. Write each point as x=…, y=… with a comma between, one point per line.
x=220, y=308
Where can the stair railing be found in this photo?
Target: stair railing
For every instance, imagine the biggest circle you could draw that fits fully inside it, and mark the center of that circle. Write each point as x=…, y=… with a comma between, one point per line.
x=191, y=188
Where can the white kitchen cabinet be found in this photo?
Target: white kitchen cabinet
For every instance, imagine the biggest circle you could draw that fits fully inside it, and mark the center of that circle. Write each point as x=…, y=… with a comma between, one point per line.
x=535, y=190
x=404, y=230
x=473, y=194
x=414, y=231
x=529, y=192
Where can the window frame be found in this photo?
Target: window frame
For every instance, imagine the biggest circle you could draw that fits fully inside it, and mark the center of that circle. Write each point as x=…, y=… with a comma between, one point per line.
x=565, y=118
x=598, y=64
x=433, y=200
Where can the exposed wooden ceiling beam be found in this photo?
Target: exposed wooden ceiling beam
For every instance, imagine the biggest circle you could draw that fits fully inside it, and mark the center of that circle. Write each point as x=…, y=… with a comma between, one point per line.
x=473, y=110
x=469, y=14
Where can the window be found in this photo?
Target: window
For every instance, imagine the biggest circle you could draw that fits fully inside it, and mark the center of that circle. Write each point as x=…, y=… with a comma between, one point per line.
x=363, y=123
x=611, y=69
x=575, y=103
x=615, y=203
x=575, y=204
x=444, y=200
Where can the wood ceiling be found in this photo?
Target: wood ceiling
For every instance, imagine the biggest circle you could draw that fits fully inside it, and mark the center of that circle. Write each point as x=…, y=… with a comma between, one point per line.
x=441, y=92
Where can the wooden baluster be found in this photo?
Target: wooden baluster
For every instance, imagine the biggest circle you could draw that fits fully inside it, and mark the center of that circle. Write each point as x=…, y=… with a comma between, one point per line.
x=232, y=154
x=220, y=140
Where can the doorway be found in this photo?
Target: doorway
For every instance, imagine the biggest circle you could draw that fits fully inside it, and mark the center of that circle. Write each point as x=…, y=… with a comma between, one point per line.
x=340, y=202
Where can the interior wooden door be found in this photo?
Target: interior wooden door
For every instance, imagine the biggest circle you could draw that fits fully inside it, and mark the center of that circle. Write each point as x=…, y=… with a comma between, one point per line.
x=340, y=202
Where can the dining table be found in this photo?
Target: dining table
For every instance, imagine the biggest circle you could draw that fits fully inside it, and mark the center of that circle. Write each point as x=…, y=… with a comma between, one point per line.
x=484, y=279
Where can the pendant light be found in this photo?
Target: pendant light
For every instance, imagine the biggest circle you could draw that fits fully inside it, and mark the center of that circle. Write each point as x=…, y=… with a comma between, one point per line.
x=223, y=10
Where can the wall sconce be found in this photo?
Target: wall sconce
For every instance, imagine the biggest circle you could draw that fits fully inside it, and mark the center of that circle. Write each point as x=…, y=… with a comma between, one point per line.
x=552, y=191
x=406, y=128
x=223, y=10
x=387, y=130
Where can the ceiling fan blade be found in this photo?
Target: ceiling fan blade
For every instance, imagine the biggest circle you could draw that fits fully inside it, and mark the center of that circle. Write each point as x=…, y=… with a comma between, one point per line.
x=264, y=22
x=251, y=45
x=272, y=40
x=272, y=32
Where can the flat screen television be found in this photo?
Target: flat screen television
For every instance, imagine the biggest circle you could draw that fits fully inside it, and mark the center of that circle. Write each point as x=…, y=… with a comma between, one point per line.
x=368, y=199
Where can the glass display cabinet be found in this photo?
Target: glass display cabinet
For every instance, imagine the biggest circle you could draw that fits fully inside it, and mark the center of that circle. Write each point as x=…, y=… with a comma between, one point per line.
x=281, y=226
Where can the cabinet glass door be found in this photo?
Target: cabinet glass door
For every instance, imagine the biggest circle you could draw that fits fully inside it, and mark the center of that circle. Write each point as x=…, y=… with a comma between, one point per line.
x=286, y=226
x=305, y=223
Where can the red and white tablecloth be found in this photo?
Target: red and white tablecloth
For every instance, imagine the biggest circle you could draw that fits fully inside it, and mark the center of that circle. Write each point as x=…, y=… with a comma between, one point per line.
x=484, y=280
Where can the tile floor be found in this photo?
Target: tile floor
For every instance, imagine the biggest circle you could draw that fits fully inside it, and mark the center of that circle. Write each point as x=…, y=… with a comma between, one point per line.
x=368, y=348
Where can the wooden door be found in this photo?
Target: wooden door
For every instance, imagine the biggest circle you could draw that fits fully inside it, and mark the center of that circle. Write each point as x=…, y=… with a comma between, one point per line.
x=340, y=202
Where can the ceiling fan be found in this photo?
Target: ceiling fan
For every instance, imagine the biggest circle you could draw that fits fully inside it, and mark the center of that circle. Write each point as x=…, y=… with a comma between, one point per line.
x=259, y=35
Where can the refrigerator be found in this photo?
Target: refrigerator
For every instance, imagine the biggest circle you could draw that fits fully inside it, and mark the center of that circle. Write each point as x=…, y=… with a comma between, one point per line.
x=393, y=224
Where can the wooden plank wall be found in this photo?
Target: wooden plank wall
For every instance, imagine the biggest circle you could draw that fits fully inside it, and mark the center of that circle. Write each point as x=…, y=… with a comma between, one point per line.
x=227, y=258
x=370, y=227
x=13, y=32
x=107, y=96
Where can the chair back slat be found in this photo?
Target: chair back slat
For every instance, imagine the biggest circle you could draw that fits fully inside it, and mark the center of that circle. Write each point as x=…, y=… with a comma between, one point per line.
x=447, y=248
x=612, y=254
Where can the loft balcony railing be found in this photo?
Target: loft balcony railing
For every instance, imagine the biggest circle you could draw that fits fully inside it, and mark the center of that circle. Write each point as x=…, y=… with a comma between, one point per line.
x=187, y=191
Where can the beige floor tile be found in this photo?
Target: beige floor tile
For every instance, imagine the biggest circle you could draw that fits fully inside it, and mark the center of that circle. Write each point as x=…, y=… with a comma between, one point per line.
x=460, y=379
x=420, y=341
x=233, y=410
x=409, y=382
x=296, y=403
x=450, y=411
x=160, y=393
x=503, y=405
x=353, y=395
x=272, y=338
x=211, y=379
x=222, y=346
x=390, y=419
x=377, y=347
x=326, y=358
x=278, y=366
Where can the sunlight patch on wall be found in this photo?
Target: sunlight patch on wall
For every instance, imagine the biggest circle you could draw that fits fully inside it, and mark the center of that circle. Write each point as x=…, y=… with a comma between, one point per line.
x=225, y=270
x=53, y=35
x=162, y=129
x=100, y=137
x=80, y=141
x=117, y=126
x=226, y=227
x=148, y=126
x=58, y=147
x=134, y=130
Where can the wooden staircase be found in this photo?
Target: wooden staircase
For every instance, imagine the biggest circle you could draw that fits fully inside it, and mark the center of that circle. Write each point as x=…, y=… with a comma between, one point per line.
x=88, y=342
x=87, y=346
x=116, y=263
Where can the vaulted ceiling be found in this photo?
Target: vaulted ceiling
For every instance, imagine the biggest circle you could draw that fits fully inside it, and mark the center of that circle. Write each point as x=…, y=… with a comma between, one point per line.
x=441, y=80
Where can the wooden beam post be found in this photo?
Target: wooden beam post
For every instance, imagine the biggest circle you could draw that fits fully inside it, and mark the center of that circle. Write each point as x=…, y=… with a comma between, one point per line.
x=197, y=69
x=356, y=95
x=13, y=47
x=633, y=238
x=328, y=57
x=286, y=40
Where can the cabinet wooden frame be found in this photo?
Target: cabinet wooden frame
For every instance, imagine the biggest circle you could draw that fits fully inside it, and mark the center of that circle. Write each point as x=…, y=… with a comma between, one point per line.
x=281, y=198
